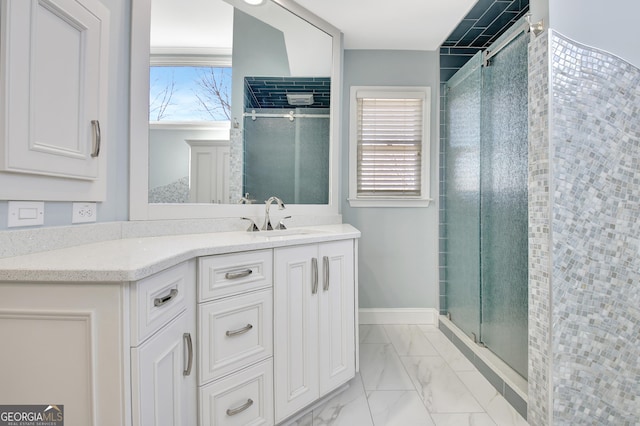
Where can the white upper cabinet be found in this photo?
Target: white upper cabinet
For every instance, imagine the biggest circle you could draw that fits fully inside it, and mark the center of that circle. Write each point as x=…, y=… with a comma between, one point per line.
x=54, y=88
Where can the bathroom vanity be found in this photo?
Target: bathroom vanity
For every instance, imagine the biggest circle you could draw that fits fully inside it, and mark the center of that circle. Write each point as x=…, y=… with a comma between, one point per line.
x=208, y=329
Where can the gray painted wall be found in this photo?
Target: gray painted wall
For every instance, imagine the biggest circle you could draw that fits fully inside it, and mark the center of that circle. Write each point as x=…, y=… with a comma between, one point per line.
x=398, y=262
x=607, y=25
x=259, y=50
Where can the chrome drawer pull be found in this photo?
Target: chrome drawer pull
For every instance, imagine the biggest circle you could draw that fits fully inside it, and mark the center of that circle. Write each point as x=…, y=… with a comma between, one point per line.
x=97, y=137
x=159, y=301
x=240, y=409
x=236, y=275
x=325, y=264
x=231, y=333
x=314, y=275
x=189, y=343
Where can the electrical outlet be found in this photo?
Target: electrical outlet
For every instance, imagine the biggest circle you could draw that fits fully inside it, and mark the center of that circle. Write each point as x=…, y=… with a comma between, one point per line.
x=84, y=212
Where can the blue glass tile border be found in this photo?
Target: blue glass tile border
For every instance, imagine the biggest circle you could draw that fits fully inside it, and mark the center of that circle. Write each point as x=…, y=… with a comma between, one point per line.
x=271, y=92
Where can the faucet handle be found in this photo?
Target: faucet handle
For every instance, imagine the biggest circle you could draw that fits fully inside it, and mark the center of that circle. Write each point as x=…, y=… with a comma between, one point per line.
x=252, y=227
x=281, y=224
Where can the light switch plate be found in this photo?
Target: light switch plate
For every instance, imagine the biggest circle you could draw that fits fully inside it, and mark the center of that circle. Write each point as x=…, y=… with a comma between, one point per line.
x=25, y=213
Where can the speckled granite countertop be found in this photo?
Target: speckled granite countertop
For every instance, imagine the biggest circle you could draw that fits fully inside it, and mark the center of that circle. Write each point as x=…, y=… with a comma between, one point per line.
x=132, y=259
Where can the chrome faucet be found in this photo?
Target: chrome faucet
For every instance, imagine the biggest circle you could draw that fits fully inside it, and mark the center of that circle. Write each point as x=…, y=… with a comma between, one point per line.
x=267, y=221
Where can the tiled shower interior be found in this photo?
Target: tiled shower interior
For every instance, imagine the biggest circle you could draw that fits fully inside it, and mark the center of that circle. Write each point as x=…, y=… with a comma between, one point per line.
x=274, y=155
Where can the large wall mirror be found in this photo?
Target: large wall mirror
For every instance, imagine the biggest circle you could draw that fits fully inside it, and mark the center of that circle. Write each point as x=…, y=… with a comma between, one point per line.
x=230, y=104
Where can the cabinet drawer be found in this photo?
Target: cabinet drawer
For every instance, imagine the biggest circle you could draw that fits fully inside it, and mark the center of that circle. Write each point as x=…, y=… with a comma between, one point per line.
x=234, y=332
x=229, y=274
x=244, y=398
x=158, y=299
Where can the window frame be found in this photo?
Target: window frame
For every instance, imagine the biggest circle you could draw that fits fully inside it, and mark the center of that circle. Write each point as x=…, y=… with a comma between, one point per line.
x=390, y=92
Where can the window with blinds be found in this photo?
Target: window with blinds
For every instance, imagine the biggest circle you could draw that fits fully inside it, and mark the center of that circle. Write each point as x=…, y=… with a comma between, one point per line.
x=389, y=129
x=389, y=146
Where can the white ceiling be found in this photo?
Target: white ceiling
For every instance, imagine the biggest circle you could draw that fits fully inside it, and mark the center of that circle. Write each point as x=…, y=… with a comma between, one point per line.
x=392, y=24
x=366, y=24
x=193, y=23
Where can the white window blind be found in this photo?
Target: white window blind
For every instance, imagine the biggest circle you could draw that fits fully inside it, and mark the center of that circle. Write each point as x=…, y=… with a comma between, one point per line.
x=389, y=146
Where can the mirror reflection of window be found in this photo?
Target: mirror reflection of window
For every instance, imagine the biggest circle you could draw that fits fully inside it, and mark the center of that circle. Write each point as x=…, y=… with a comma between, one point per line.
x=189, y=93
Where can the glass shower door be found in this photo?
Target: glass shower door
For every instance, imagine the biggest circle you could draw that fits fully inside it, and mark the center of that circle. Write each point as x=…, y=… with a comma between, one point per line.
x=503, y=205
x=462, y=178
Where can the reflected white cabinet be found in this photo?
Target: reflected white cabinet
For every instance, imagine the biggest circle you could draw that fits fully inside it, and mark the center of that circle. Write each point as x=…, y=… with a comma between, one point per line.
x=314, y=322
x=53, y=87
x=209, y=171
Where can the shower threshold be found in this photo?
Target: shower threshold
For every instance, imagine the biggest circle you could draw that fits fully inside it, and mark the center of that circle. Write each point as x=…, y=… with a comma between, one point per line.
x=502, y=377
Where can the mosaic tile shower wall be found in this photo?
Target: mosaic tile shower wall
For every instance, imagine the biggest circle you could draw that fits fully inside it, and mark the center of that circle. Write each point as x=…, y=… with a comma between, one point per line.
x=539, y=235
x=236, y=163
x=587, y=238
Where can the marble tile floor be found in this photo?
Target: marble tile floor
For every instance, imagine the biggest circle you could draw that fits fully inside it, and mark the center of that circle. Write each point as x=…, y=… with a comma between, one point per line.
x=412, y=375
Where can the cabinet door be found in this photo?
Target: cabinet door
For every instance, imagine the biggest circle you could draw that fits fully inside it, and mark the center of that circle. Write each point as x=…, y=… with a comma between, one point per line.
x=295, y=329
x=163, y=393
x=55, y=79
x=337, y=314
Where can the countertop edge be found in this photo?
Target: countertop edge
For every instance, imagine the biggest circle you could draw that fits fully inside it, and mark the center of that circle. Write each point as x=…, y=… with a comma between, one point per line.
x=125, y=260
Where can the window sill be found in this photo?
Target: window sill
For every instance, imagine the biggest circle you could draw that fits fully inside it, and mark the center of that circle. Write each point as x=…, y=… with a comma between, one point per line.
x=389, y=202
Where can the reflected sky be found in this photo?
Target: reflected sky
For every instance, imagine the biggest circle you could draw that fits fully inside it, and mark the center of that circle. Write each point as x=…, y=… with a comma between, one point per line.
x=174, y=93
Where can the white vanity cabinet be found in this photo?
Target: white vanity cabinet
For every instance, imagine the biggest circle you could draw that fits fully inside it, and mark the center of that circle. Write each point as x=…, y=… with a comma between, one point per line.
x=53, y=87
x=109, y=352
x=62, y=342
x=163, y=331
x=314, y=322
x=187, y=330
x=235, y=331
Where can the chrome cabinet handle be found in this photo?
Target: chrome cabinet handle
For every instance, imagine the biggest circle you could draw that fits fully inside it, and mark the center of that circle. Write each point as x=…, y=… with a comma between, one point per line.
x=159, y=301
x=314, y=275
x=97, y=137
x=231, y=333
x=189, y=343
x=236, y=275
x=325, y=270
x=240, y=409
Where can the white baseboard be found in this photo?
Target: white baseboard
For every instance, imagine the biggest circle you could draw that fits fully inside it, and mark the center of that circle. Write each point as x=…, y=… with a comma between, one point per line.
x=427, y=316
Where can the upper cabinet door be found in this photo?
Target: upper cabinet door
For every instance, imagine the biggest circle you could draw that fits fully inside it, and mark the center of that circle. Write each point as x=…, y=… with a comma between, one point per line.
x=54, y=69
